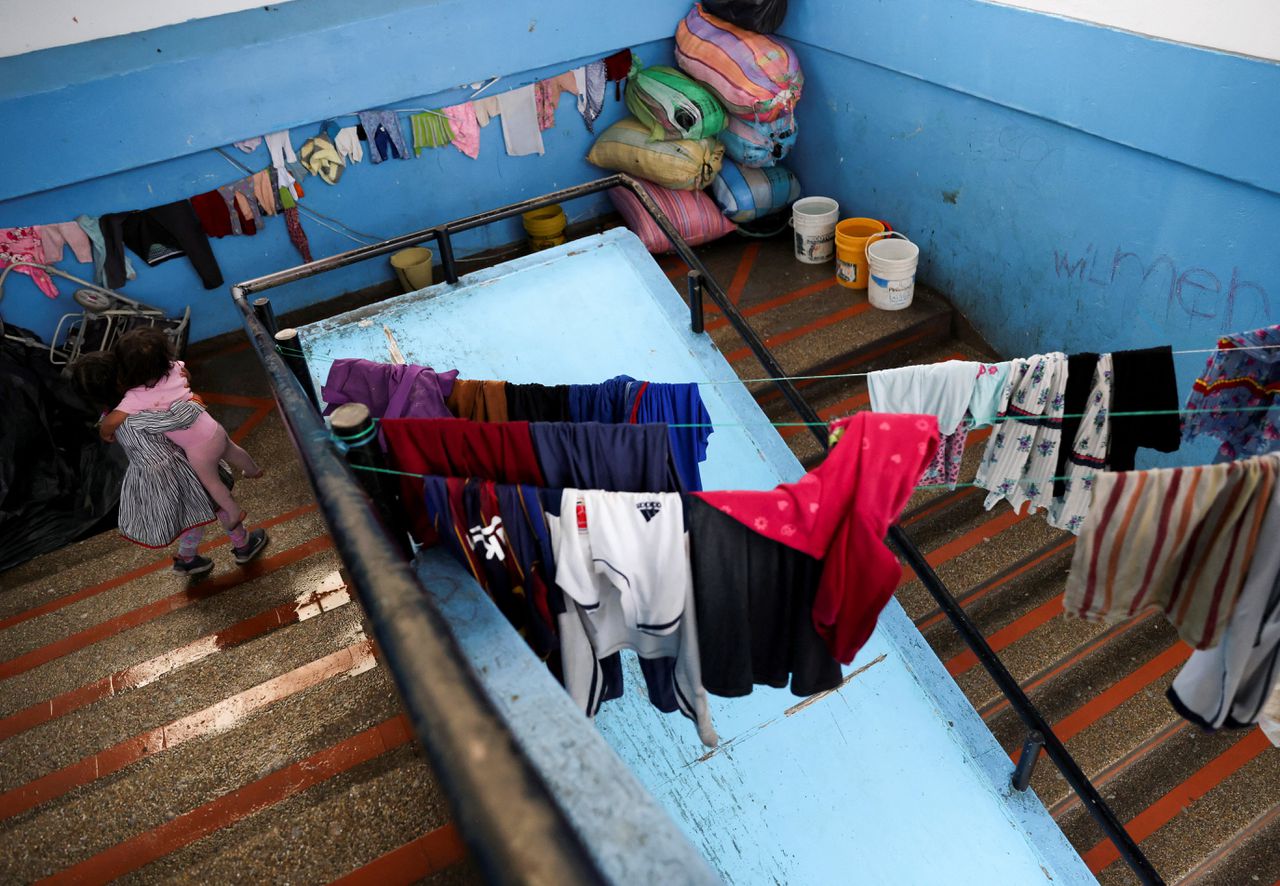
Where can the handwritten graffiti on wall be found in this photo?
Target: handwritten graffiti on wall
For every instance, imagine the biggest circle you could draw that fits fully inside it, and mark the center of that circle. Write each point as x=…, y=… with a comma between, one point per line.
x=1198, y=292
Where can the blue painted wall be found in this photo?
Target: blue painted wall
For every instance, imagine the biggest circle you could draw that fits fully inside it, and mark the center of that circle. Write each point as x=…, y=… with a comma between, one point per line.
x=133, y=121
x=1071, y=187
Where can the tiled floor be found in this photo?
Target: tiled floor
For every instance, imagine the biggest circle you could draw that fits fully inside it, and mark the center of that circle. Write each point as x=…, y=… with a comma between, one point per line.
x=242, y=727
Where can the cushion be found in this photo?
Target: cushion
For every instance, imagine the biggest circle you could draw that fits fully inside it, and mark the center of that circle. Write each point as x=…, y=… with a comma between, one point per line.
x=693, y=213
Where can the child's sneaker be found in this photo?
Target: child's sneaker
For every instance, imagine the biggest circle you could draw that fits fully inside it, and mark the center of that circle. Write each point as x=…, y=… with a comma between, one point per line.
x=252, y=547
x=197, y=565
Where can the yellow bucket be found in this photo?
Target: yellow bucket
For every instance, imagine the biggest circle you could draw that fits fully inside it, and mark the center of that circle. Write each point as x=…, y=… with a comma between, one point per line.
x=851, y=250
x=545, y=227
x=413, y=267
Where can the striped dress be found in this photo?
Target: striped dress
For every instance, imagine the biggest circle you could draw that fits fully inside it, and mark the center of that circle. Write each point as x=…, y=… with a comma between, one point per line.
x=1177, y=539
x=161, y=497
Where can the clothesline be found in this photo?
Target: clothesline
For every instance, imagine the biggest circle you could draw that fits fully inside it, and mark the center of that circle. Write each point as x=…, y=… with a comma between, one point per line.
x=746, y=381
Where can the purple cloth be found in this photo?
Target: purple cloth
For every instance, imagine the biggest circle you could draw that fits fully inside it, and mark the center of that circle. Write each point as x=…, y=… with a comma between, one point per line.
x=389, y=390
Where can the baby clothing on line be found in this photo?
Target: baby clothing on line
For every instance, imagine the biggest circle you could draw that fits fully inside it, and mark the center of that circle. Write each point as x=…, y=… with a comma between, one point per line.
x=519, y=111
x=297, y=236
x=249, y=145
x=61, y=234
x=211, y=209
x=386, y=139
x=465, y=127
x=92, y=228
x=430, y=129
x=347, y=141
x=24, y=245
x=547, y=93
x=321, y=158
x=283, y=158
x=265, y=192
x=240, y=195
x=591, y=95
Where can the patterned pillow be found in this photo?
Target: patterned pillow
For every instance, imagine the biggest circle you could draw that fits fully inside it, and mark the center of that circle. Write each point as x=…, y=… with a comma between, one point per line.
x=696, y=217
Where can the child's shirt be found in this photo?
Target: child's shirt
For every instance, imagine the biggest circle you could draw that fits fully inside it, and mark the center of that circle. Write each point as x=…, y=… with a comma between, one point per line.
x=161, y=395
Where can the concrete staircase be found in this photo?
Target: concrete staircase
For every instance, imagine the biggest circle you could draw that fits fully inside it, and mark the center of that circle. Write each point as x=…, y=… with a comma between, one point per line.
x=1206, y=808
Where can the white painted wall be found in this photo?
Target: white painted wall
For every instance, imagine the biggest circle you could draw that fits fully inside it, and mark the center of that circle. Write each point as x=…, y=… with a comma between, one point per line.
x=1246, y=27
x=38, y=24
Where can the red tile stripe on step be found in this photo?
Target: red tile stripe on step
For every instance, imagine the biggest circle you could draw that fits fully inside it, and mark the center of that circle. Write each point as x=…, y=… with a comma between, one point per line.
x=782, y=338
x=230, y=808
x=743, y=272
x=331, y=595
x=1121, y=691
x=999, y=581
x=941, y=503
x=415, y=860
x=1165, y=809
x=125, y=578
x=1009, y=634
x=990, y=528
x=1109, y=773
x=247, y=426
x=217, y=718
x=765, y=306
x=165, y=605
x=1062, y=666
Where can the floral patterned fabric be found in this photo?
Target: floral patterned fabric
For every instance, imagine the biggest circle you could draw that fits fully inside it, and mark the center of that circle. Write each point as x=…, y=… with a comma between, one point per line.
x=24, y=244
x=1088, y=453
x=1021, y=456
x=945, y=467
x=1237, y=400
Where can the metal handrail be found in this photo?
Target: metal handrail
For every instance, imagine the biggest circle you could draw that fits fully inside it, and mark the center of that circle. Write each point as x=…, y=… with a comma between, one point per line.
x=417, y=699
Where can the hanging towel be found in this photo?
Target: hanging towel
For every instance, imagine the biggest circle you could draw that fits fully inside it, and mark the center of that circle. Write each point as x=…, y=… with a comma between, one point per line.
x=93, y=230
x=1237, y=398
x=1177, y=539
x=519, y=110
x=56, y=236
x=24, y=245
x=465, y=127
x=840, y=512
x=321, y=158
x=430, y=129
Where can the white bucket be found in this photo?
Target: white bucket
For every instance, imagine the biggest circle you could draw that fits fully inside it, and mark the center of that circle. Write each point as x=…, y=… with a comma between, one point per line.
x=814, y=220
x=892, y=264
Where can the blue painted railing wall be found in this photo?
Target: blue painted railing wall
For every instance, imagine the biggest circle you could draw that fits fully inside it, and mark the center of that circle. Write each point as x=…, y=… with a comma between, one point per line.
x=1071, y=187
x=133, y=121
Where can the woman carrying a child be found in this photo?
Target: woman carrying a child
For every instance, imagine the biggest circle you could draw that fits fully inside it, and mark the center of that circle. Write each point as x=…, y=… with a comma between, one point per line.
x=172, y=488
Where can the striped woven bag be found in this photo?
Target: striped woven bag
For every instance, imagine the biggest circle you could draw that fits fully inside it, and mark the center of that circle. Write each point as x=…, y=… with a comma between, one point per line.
x=672, y=105
x=754, y=75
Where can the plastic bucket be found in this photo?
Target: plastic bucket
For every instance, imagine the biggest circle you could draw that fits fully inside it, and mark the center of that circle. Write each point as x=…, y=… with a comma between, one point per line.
x=545, y=227
x=851, y=250
x=413, y=267
x=891, y=263
x=814, y=220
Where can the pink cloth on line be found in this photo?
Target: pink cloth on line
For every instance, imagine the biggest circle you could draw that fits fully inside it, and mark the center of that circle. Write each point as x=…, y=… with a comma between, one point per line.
x=54, y=237
x=24, y=244
x=466, y=128
x=547, y=94
x=161, y=395
x=840, y=512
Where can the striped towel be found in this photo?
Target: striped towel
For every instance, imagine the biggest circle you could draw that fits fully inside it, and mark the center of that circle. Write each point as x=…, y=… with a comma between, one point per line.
x=1178, y=539
x=431, y=129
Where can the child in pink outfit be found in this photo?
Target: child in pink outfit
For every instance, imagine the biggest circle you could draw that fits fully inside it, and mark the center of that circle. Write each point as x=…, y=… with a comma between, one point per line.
x=155, y=381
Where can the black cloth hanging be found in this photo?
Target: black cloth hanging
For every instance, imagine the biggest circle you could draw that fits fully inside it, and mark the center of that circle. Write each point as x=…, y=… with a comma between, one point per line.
x=157, y=235
x=1143, y=381
x=535, y=402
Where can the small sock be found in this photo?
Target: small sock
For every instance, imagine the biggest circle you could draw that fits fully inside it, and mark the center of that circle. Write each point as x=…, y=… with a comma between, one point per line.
x=239, y=536
x=188, y=542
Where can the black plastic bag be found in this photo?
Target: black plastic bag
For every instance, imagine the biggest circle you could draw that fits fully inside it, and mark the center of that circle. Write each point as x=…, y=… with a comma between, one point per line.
x=58, y=482
x=761, y=16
